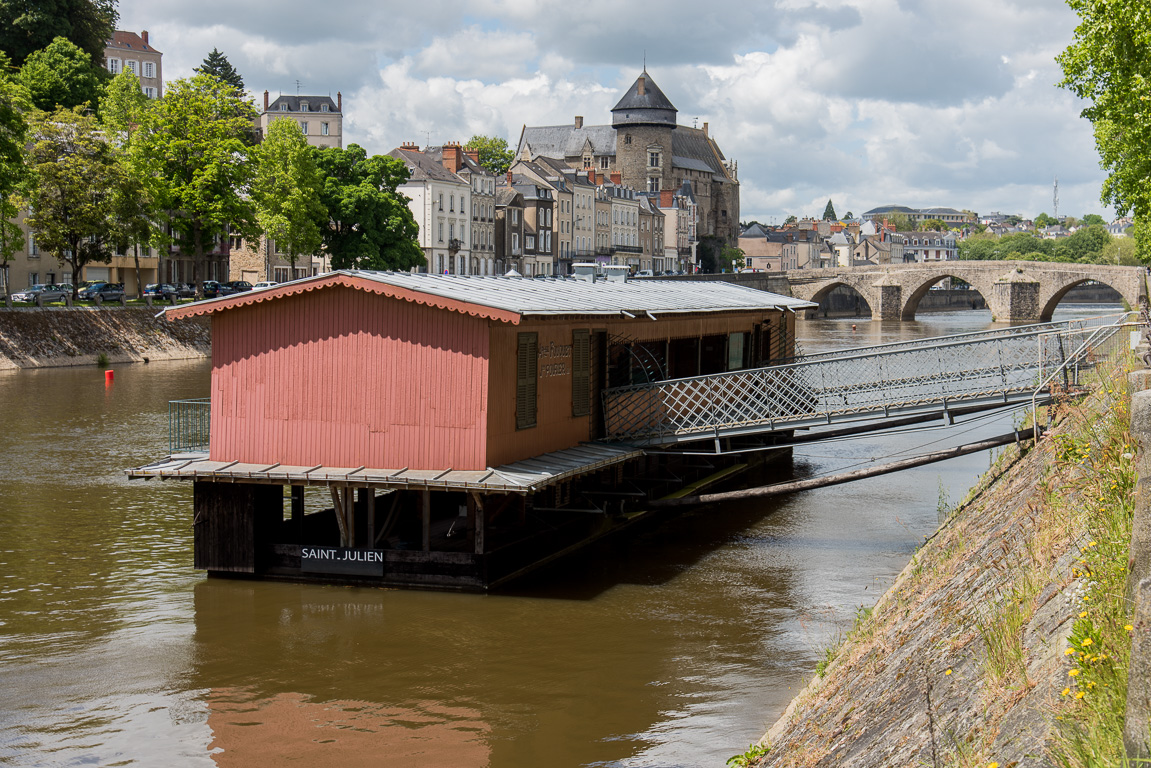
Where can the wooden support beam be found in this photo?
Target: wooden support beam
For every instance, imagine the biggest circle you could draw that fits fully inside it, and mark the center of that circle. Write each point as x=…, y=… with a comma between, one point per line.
x=349, y=517
x=338, y=508
x=298, y=511
x=426, y=521
x=478, y=501
x=371, y=493
x=390, y=521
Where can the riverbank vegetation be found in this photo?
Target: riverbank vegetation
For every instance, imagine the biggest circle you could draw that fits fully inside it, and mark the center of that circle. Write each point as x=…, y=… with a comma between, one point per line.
x=1087, y=245
x=1008, y=634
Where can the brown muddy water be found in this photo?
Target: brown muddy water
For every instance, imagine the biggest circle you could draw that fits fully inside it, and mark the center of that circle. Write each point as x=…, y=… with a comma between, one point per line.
x=675, y=647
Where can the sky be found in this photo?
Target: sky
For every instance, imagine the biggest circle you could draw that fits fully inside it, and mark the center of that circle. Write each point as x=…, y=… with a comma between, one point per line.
x=863, y=102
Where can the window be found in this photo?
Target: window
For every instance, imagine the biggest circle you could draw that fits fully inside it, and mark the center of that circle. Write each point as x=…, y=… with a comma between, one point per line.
x=33, y=278
x=451, y=231
x=323, y=107
x=441, y=201
x=515, y=242
x=587, y=162
x=452, y=203
x=283, y=107
x=33, y=249
x=627, y=138
x=304, y=106
x=527, y=363
x=150, y=92
x=114, y=66
x=304, y=126
x=131, y=66
x=653, y=159
x=323, y=129
x=441, y=231
x=281, y=274
x=603, y=163
x=149, y=69
x=653, y=184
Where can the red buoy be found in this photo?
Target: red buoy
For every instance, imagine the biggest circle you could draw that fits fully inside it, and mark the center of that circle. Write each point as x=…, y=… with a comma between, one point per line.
x=108, y=376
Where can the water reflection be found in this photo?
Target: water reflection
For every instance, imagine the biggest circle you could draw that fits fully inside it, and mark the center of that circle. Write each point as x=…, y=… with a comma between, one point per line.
x=671, y=647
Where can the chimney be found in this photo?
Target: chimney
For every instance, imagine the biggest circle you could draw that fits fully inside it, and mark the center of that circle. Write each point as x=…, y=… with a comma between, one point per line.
x=265, y=101
x=617, y=178
x=665, y=198
x=641, y=85
x=579, y=121
x=451, y=157
x=591, y=177
x=144, y=36
x=511, y=178
x=473, y=153
x=339, y=101
x=409, y=146
x=705, y=129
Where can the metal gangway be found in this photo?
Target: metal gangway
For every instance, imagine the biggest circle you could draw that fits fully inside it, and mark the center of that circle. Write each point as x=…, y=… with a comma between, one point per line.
x=1020, y=365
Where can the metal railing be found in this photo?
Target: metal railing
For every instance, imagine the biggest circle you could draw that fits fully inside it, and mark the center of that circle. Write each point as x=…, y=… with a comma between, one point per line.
x=189, y=425
x=928, y=375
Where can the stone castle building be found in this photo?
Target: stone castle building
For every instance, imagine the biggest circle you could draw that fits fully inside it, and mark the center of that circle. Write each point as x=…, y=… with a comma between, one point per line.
x=651, y=152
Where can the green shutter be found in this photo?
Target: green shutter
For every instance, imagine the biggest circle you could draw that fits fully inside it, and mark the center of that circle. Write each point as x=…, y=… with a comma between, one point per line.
x=581, y=373
x=527, y=362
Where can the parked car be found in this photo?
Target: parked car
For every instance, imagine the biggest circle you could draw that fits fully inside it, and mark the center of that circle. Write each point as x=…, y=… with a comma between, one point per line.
x=210, y=289
x=46, y=292
x=155, y=290
x=235, y=286
x=645, y=273
x=105, y=291
x=264, y=284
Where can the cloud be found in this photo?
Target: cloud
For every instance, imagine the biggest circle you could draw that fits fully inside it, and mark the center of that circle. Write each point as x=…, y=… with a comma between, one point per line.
x=916, y=102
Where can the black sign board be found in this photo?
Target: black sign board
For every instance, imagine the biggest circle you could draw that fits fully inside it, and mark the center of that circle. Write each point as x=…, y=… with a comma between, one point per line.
x=352, y=562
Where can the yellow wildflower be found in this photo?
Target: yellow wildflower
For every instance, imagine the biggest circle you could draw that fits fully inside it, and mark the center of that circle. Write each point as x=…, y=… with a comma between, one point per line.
x=1069, y=652
x=1128, y=627
x=1083, y=615
x=1087, y=642
x=1066, y=691
x=948, y=672
x=1081, y=694
x=1090, y=684
x=1073, y=672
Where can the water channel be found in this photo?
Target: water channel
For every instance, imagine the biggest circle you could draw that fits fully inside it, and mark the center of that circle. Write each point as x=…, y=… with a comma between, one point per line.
x=676, y=647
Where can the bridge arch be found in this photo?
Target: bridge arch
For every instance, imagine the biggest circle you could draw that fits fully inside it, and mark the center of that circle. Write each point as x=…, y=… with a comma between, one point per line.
x=1049, y=299
x=916, y=289
x=824, y=291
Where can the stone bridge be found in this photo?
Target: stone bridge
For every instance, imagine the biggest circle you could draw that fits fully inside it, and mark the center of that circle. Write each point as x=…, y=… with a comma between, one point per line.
x=1015, y=291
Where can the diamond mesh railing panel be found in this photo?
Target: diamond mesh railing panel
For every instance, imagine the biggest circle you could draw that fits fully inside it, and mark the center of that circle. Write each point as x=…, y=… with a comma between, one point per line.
x=853, y=383
x=189, y=425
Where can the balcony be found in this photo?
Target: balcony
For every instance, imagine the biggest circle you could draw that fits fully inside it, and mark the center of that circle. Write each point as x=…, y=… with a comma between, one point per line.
x=189, y=424
x=454, y=245
x=627, y=249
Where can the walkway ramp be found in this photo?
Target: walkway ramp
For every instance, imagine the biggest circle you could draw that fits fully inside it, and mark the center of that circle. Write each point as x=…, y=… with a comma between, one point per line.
x=1016, y=365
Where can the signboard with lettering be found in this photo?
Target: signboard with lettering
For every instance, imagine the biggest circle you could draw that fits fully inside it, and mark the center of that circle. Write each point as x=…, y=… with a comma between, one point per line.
x=352, y=562
x=555, y=360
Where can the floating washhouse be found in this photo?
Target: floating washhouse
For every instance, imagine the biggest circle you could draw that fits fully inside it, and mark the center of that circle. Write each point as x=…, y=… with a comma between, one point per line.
x=452, y=426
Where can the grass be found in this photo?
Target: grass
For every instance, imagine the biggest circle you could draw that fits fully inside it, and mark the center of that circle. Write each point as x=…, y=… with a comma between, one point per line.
x=753, y=753
x=1093, y=702
x=861, y=629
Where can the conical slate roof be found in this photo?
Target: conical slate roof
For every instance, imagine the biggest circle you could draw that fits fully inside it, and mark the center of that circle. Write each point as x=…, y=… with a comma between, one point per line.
x=644, y=104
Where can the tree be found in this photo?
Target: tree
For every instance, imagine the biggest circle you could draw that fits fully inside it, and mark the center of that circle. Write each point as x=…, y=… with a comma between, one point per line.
x=732, y=258
x=287, y=191
x=1093, y=218
x=14, y=104
x=493, y=153
x=132, y=209
x=74, y=173
x=849, y=216
x=369, y=223
x=790, y=220
x=1043, y=220
x=900, y=221
x=62, y=75
x=829, y=212
x=932, y=225
x=30, y=25
x=217, y=65
x=191, y=150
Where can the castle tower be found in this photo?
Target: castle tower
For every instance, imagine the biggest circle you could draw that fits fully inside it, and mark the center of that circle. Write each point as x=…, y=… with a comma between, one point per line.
x=643, y=121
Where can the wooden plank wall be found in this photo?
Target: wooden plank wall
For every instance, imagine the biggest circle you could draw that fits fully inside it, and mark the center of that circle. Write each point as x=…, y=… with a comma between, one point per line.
x=232, y=523
x=345, y=378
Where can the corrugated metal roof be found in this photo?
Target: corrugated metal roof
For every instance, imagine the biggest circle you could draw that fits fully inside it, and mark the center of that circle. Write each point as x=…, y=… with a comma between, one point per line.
x=565, y=296
x=518, y=477
x=503, y=298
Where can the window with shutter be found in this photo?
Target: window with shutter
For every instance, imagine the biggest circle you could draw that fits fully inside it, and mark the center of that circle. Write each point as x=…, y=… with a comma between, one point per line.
x=527, y=361
x=581, y=373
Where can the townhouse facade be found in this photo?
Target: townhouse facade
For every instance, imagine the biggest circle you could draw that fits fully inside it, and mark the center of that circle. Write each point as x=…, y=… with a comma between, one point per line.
x=465, y=163
x=320, y=118
x=929, y=247
x=128, y=52
x=509, y=229
x=441, y=203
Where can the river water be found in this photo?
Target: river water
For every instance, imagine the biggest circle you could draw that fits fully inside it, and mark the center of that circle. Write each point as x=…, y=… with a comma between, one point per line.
x=676, y=647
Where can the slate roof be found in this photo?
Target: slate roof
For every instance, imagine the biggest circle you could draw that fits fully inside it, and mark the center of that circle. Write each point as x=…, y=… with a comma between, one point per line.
x=561, y=141
x=467, y=165
x=425, y=167
x=651, y=98
x=294, y=103
x=129, y=41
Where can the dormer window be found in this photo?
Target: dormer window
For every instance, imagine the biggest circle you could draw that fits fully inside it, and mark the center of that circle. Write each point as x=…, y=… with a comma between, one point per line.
x=303, y=106
x=323, y=107
x=283, y=107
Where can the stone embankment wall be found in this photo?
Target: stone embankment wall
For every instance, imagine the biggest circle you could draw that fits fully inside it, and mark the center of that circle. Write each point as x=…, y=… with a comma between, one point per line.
x=917, y=683
x=57, y=337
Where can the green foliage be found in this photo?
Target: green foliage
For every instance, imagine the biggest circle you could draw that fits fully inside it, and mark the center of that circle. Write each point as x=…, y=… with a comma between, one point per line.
x=901, y=221
x=74, y=172
x=123, y=110
x=30, y=25
x=1087, y=245
x=1109, y=65
x=1093, y=218
x=192, y=152
x=829, y=212
x=62, y=75
x=494, y=153
x=287, y=191
x=932, y=225
x=849, y=216
x=1043, y=220
x=749, y=757
x=14, y=104
x=217, y=65
x=369, y=223
x=790, y=219
x=731, y=258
